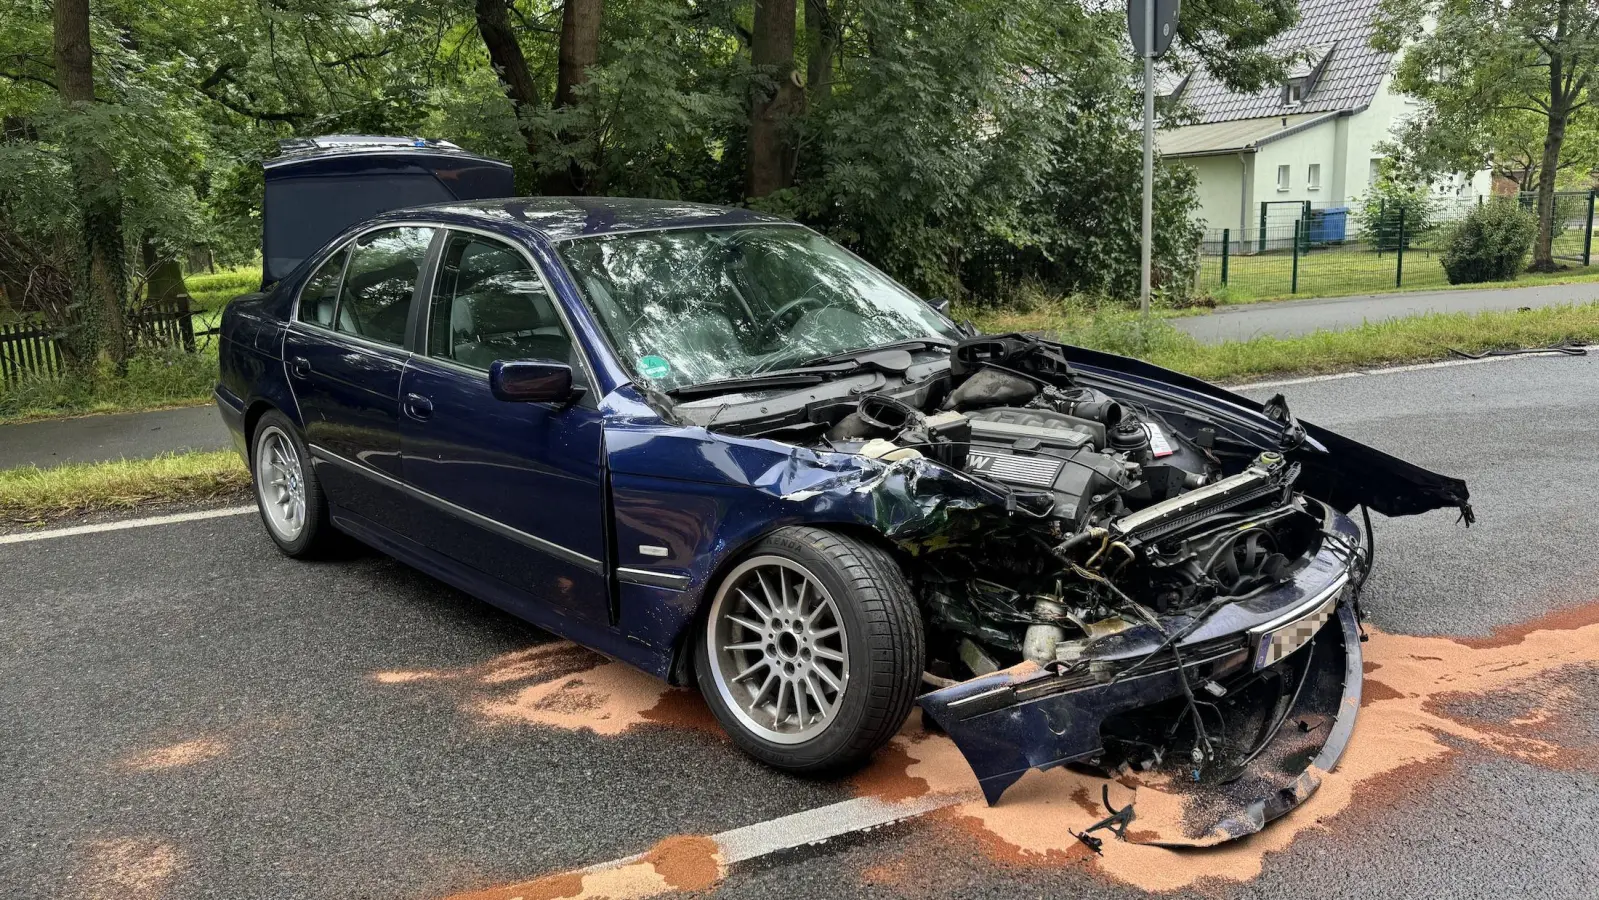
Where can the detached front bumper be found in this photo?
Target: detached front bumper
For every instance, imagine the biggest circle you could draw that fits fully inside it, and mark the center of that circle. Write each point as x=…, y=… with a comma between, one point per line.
x=1304, y=632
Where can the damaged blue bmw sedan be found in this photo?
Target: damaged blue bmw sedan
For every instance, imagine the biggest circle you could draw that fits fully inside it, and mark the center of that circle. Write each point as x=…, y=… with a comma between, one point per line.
x=716, y=445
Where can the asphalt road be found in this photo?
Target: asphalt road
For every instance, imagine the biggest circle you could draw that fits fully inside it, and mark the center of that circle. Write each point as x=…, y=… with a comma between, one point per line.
x=184, y=713
x=1295, y=317
x=87, y=439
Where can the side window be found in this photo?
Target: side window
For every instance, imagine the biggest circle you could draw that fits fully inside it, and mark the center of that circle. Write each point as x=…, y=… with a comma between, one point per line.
x=375, y=300
x=320, y=296
x=489, y=305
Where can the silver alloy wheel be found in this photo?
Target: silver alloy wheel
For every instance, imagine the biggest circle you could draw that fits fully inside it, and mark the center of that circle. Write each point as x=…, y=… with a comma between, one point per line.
x=280, y=483
x=778, y=651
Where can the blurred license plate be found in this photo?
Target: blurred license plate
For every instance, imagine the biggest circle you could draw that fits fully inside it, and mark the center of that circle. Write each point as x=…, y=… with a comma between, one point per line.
x=1278, y=639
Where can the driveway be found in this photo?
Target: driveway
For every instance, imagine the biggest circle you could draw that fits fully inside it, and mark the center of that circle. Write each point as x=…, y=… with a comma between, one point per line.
x=88, y=439
x=187, y=714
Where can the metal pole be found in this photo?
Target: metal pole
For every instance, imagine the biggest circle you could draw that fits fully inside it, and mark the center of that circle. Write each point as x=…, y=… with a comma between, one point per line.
x=1226, y=245
x=1293, y=286
x=1399, y=253
x=1147, y=249
x=1587, y=233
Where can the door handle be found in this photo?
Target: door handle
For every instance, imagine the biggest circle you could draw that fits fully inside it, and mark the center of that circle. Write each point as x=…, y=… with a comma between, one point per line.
x=300, y=367
x=418, y=407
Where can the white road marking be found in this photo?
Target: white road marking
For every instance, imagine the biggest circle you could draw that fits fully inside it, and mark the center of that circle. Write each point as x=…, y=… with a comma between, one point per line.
x=1390, y=370
x=813, y=826
x=27, y=536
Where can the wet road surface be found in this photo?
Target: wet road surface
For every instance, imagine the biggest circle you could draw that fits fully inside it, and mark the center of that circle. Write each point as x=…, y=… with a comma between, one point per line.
x=184, y=713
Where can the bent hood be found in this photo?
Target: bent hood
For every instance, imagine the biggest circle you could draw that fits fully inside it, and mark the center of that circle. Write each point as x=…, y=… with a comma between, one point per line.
x=1336, y=470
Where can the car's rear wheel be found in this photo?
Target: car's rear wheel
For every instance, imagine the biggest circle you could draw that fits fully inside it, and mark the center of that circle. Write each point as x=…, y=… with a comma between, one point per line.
x=811, y=650
x=286, y=489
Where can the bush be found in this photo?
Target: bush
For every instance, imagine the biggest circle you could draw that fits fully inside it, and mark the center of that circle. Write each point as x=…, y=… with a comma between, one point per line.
x=1490, y=244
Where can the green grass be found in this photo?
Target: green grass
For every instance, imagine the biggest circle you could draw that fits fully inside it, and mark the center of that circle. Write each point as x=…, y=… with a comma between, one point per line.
x=211, y=292
x=155, y=380
x=1343, y=271
x=31, y=494
x=1393, y=342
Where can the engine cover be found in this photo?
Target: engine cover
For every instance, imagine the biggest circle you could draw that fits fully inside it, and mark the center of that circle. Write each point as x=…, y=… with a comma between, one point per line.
x=1049, y=451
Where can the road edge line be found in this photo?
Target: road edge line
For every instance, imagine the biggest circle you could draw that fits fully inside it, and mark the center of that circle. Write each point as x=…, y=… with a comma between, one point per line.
x=1392, y=370
x=23, y=537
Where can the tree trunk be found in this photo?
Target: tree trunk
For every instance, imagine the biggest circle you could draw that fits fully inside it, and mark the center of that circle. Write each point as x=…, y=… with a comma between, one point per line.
x=1543, y=258
x=771, y=101
x=494, y=24
x=101, y=279
x=821, y=42
x=580, y=49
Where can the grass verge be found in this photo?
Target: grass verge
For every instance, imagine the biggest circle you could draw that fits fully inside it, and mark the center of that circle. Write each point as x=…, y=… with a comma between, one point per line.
x=1393, y=342
x=32, y=494
x=155, y=380
x=1268, y=277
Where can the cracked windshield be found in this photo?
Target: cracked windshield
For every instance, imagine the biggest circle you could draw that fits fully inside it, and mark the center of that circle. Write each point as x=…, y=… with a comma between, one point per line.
x=696, y=305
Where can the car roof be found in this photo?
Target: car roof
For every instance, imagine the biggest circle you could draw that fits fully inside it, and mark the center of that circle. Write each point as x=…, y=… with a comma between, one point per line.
x=560, y=218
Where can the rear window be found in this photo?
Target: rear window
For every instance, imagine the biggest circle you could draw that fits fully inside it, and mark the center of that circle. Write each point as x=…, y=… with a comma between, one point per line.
x=319, y=299
x=375, y=301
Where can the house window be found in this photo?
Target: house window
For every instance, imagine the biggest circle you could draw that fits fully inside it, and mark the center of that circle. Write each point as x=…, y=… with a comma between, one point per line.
x=1282, y=178
x=1313, y=177
x=1376, y=171
x=1294, y=92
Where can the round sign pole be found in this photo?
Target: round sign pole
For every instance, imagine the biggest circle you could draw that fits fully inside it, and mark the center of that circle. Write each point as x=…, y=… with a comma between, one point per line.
x=1146, y=250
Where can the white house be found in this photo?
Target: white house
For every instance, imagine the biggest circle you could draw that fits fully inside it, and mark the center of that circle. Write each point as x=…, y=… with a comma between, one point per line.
x=1313, y=138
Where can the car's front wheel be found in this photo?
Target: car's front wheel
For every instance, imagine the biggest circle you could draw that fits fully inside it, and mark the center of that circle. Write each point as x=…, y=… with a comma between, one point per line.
x=286, y=488
x=812, y=650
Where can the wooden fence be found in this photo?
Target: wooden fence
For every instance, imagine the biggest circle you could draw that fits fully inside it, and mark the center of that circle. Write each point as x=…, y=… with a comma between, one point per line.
x=30, y=348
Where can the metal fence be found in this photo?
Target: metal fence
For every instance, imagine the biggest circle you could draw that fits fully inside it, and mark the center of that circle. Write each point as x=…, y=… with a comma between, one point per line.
x=1295, y=248
x=30, y=348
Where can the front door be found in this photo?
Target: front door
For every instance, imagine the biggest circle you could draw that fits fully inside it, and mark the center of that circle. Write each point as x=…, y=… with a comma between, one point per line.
x=345, y=353
x=516, y=488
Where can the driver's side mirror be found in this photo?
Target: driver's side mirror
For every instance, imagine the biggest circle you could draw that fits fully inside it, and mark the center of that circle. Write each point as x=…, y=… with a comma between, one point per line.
x=940, y=305
x=532, y=381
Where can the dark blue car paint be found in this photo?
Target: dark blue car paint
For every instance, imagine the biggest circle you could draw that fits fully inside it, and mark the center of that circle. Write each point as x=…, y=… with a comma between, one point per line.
x=726, y=492
x=604, y=522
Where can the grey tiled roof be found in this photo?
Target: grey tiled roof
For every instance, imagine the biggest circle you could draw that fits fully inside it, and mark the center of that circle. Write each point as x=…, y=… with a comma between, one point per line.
x=1348, y=81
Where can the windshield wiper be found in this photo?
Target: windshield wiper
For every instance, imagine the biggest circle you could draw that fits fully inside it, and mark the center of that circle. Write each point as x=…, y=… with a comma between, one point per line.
x=807, y=372
x=906, y=344
x=779, y=378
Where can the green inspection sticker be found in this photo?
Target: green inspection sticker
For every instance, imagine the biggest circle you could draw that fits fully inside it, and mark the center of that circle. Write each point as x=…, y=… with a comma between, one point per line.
x=653, y=367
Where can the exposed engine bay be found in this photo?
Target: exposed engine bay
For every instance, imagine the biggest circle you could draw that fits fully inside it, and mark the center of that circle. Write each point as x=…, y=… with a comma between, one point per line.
x=1121, y=514
x=1113, y=574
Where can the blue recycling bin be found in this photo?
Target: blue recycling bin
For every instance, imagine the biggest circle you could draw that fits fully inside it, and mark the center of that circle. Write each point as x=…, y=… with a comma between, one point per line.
x=1326, y=226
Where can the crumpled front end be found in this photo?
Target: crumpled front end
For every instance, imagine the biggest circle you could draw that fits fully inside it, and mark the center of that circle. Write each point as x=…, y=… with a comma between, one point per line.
x=1231, y=726
x=1117, y=567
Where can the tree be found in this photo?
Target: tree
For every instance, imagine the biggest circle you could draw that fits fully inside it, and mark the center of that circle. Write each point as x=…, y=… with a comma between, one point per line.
x=1480, y=64
x=505, y=52
x=580, y=51
x=101, y=278
x=774, y=98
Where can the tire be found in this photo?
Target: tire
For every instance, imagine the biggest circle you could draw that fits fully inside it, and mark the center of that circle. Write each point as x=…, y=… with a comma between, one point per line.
x=295, y=514
x=851, y=585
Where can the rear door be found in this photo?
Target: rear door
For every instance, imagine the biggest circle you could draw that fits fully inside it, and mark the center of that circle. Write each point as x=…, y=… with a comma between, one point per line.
x=518, y=486
x=345, y=352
